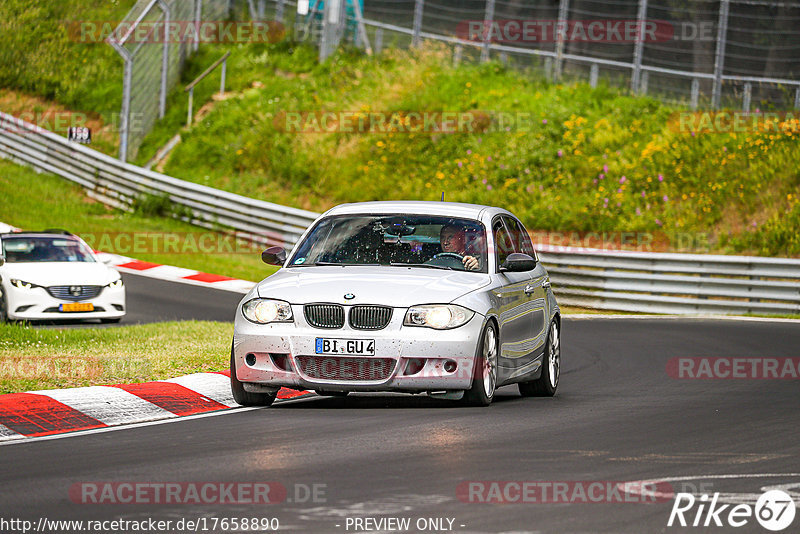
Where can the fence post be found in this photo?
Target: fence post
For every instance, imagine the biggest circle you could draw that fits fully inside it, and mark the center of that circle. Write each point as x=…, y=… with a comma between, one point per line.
x=279, y=11
x=748, y=93
x=638, y=47
x=797, y=98
x=594, y=72
x=162, y=98
x=695, y=93
x=378, y=40
x=719, y=60
x=124, y=120
x=419, y=5
x=488, y=20
x=223, y=75
x=191, y=105
x=563, y=15
x=457, y=54
x=198, y=15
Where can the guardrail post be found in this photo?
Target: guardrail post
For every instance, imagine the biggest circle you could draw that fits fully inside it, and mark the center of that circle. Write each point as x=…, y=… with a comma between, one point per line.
x=594, y=72
x=748, y=93
x=638, y=47
x=797, y=98
x=695, y=93
x=457, y=53
x=419, y=5
x=563, y=16
x=719, y=60
x=645, y=78
x=504, y=58
x=488, y=20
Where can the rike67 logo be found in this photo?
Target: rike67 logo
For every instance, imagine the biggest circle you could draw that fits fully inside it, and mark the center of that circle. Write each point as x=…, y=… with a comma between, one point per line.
x=774, y=510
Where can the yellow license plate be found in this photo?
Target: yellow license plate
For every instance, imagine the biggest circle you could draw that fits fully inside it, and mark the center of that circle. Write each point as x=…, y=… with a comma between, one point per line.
x=77, y=307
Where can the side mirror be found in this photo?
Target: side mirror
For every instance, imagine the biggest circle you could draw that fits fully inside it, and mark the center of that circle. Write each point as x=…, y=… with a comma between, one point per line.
x=274, y=256
x=517, y=263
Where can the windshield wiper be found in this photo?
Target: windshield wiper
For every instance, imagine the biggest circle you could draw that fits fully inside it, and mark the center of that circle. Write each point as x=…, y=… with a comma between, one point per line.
x=425, y=265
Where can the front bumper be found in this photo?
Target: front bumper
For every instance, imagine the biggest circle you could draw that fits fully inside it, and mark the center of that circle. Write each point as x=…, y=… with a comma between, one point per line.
x=409, y=359
x=37, y=304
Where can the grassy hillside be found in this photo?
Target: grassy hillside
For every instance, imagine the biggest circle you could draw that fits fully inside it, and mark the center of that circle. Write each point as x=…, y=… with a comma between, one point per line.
x=587, y=160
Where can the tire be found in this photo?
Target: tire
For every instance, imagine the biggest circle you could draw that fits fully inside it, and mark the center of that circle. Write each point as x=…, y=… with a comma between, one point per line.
x=547, y=383
x=3, y=311
x=110, y=321
x=484, y=379
x=245, y=398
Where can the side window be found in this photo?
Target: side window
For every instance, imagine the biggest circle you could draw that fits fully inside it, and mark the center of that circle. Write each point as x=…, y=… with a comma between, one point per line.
x=522, y=239
x=503, y=242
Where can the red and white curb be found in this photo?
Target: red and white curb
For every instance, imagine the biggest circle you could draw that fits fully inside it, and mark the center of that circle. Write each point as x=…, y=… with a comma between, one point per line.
x=57, y=411
x=175, y=274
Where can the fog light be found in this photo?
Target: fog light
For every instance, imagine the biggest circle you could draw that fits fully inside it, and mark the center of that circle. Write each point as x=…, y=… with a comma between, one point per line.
x=414, y=366
x=450, y=366
x=281, y=361
x=250, y=359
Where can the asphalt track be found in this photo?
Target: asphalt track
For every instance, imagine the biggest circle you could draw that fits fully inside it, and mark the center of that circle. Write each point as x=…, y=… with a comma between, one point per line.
x=618, y=416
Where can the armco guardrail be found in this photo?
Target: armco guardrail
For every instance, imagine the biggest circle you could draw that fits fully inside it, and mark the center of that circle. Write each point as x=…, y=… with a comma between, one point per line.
x=119, y=184
x=673, y=283
x=613, y=280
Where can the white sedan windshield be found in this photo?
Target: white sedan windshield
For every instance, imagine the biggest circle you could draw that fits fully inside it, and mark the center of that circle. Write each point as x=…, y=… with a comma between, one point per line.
x=45, y=249
x=397, y=240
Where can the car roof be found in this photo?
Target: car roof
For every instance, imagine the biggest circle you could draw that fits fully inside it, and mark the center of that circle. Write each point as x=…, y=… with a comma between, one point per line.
x=39, y=234
x=419, y=207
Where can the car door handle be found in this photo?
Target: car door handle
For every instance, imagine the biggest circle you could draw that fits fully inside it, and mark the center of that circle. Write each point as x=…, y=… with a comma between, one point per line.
x=529, y=289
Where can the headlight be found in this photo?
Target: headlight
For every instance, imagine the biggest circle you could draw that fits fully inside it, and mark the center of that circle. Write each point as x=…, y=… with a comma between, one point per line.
x=438, y=316
x=22, y=284
x=264, y=311
x=116, y=284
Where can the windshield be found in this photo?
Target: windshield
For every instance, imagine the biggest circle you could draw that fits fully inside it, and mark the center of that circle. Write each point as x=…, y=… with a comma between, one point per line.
x=45, y=249
x=427, y=241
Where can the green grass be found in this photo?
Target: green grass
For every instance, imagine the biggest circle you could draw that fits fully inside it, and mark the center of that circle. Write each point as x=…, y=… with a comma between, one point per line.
x=38, y=201
x=97, y=356
x=39, y=55
x=589, y=160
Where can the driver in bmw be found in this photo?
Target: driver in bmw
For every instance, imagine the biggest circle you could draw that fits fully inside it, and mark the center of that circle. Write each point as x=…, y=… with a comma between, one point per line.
x=453, y=239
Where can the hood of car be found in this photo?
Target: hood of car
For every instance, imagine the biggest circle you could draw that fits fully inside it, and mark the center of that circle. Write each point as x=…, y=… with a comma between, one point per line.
x=60, y=273
x=390, y=286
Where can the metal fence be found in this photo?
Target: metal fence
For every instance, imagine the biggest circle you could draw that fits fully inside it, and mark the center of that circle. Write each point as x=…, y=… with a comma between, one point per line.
x=734, y=53
x=152, y=62
x=605, y=279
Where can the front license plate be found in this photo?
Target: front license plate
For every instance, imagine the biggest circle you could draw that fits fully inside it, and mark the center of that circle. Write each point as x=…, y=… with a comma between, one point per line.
x=360, y=347
x=76, y=307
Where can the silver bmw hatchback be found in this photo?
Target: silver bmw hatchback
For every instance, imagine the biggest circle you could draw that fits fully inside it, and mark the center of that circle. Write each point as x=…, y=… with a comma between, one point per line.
x=420, y=297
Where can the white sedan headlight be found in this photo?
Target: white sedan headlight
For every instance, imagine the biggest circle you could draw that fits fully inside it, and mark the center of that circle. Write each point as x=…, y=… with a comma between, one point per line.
x=22, y=284
x=265, y=311
x=438, y=316
x=116, y=284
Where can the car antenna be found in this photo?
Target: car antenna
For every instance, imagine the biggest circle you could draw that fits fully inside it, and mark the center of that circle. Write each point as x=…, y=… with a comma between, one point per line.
x=442, y=196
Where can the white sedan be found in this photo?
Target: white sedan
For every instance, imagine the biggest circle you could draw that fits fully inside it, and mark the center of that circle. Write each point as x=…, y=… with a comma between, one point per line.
x=436, y=297
x=55, y=275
